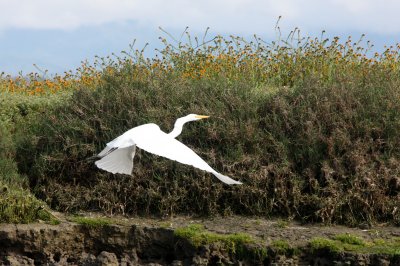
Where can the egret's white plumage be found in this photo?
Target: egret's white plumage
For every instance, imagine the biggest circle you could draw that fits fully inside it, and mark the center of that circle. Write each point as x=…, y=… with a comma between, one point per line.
x=118, y=155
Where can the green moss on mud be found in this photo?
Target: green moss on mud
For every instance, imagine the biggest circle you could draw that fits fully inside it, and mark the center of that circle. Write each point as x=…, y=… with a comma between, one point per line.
x=350, y=239
x=283, y=247
x=198, y=236
x=351, y=243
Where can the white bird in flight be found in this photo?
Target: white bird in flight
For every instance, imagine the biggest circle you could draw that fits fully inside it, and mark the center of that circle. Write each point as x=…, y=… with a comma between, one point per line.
x=118, y=155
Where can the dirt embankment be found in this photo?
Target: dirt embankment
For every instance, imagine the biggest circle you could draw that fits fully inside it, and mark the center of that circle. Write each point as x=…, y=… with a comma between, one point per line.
x=143, y=241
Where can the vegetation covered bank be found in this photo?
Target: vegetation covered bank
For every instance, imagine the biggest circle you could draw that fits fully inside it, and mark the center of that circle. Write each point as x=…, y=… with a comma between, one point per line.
x=310, y=126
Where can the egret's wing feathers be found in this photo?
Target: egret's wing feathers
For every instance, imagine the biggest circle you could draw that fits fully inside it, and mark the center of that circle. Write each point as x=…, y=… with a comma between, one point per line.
x=106, y=151
x=117, y=157
x=117, y=160
x=226, y=179
x=159, y=143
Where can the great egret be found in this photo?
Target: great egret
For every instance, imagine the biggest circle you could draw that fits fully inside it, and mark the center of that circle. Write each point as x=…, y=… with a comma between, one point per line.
x=118, y=155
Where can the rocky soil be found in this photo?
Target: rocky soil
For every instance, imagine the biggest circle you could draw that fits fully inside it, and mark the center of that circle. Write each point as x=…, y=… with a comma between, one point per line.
x=145, y=241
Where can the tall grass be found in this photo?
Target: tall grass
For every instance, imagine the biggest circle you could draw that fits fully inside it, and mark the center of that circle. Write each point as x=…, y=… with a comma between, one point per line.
x=17, y=203
x=309, y=125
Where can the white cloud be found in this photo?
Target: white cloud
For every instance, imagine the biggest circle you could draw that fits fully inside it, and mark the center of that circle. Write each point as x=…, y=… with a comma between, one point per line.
x=236, y=16
x=57, y=14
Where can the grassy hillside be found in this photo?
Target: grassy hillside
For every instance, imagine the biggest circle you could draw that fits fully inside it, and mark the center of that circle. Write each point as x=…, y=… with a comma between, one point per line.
x=17, y=204
x=308, y=125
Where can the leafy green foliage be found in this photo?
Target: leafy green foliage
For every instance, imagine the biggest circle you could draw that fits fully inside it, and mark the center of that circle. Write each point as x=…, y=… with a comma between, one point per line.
x=309, y=126
x=20, y=206
x=17, y=204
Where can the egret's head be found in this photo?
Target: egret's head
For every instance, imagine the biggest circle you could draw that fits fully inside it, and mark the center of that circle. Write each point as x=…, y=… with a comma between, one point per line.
x=194, y=117
x=181, y=121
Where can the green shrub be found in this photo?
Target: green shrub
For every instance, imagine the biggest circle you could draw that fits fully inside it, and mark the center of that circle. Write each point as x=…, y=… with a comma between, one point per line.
x=312, y=133
x=17, y=204
x=20, y=206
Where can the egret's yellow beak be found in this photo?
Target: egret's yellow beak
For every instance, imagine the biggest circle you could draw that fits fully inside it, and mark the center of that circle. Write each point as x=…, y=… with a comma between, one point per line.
x=202, y=116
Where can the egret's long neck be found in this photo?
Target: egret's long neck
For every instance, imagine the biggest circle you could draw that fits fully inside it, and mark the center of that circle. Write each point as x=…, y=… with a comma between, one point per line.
x=178, y=127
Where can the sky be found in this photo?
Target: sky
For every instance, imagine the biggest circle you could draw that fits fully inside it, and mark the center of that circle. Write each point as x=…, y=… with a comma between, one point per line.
x=57, y=35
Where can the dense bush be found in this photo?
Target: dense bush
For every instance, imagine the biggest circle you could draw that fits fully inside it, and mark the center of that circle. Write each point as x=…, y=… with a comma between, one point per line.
x=315, y=152
x=17, y=203
x=310, y=129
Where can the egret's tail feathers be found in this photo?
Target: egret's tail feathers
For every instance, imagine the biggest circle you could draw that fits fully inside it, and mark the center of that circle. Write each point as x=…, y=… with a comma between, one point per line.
x=118, y=161
x=226, y=179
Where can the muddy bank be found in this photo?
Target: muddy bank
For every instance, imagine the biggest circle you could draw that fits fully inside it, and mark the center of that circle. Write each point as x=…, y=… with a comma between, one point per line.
x=154, y=242
x=71, y=244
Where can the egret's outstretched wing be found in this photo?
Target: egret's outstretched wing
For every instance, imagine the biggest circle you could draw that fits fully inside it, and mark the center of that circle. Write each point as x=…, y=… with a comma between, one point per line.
x=117, y=160
x=153, y=140
x=107, y=150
